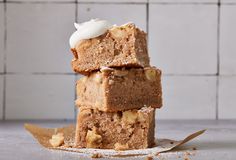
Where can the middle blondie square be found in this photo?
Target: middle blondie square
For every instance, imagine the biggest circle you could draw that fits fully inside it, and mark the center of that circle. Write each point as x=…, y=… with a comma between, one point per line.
x=112, y=90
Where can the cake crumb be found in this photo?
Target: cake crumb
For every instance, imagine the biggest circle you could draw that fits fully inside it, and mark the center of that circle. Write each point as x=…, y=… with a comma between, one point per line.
x=194, y=148
x=171, y=142
x=57, y=140
x=121, y=147
x=96, y=155
x=149, y=158
x=187, y=153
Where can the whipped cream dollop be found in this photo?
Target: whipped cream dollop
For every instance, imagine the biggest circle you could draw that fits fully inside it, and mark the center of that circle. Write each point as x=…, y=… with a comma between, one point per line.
x=89, y=29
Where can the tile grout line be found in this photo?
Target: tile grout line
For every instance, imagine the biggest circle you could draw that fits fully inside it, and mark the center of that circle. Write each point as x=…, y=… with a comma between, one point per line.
x=147, y=24
x=189, y=75
x=38, y=73
x=68, y=73
x=72, y=1
x=218, y=38
x=118, y=3
x=40, y=2
x=76, y=11
x=5, y=63
x=217, y=98
x=160, y=3
x=4, y=99
x=147, y=18
x=75, y=108
x=228, y=3
x=218, y=59
x=76, y=20
x=5, y=38
x=183, y=3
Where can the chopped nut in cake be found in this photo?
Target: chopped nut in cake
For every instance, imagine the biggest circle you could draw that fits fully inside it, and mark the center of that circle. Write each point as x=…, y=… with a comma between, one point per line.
x=93, y=139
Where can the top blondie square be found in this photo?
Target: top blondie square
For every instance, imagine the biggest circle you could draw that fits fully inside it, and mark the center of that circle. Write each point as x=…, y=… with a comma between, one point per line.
x=119, y=46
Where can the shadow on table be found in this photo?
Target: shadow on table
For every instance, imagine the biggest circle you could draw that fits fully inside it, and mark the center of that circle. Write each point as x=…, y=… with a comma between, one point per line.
x=216, y=145
x=208, y=145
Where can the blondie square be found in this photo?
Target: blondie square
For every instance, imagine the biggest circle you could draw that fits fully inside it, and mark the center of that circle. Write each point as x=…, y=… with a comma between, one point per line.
x=120, y=46
x=131, y=129
x=112, y=90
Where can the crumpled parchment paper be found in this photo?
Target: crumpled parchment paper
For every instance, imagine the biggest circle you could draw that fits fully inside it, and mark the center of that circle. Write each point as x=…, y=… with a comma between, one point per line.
x=42, y=135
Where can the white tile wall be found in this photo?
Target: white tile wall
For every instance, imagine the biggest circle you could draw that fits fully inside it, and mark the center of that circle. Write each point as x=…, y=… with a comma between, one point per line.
x=121, y=13
x=182, y=42
x=227, y=41
x=183, y=38
x=188, y=97
x=114, y=1
x=40, y=96
x=1, y=97
x=228, y=1
x=38, y=37
x=184, y=1
x=41, y=1
x=227, y=99
x=2, y=28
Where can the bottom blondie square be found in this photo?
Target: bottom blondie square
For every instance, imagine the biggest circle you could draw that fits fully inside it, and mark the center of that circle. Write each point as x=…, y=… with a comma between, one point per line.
x=122, y=130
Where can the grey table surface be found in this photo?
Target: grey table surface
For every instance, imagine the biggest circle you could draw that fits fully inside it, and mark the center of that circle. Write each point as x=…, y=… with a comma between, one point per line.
x=218, y=142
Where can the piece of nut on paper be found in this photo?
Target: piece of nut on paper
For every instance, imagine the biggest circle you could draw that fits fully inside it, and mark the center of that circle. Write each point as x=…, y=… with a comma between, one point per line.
x=44, y=135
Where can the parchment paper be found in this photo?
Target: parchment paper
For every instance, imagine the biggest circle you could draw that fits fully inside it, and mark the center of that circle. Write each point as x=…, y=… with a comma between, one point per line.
x=42, y=135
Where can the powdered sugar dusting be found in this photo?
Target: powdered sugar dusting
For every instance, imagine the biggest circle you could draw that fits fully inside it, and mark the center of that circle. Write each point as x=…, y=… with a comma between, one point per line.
x=163, y=145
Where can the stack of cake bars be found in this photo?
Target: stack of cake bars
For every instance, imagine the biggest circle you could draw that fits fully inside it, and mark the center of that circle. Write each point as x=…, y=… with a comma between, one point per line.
x=118, y=95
